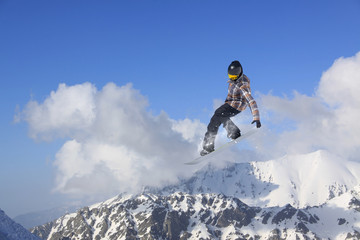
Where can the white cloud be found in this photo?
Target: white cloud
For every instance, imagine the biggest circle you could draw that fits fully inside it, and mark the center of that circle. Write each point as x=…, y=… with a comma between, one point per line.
x=70, y=108
x=339, y=86
x=326, y=120
x=115, y=143
x=189, y=129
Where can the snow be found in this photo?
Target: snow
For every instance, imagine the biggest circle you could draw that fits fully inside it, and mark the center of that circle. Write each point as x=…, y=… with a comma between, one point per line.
x=318, y=184
x=112, y=201
x=227, y=232
x=200, y=231
x=307, y=180
x=11, y=230
x=300, y=180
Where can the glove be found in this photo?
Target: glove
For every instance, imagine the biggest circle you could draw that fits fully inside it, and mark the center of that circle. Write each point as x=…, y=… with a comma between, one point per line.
x=258, y=123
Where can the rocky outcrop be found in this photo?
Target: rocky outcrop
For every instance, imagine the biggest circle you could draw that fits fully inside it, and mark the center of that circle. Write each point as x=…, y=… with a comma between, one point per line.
x=181, y=216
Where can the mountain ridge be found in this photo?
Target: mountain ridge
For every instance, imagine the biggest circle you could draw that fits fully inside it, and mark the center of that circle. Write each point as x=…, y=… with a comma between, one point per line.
x=286, y=180
x=204, y=216
x=309, y=196
x=10, y=230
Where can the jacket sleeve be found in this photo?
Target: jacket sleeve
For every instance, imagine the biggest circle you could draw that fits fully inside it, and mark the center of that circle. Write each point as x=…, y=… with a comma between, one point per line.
x=251, y=101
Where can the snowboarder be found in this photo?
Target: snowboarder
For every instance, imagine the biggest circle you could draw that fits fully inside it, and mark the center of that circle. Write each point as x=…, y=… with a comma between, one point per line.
x=238, y=98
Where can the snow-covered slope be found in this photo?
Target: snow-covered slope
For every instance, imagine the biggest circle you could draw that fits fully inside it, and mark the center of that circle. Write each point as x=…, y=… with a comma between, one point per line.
x=10, y=230
x=307, y=180
x=205, y=216
x=311, y=196
x=300, y=180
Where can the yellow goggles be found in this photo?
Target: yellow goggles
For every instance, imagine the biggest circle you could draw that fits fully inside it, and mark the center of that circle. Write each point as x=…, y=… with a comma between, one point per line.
x=233, y=77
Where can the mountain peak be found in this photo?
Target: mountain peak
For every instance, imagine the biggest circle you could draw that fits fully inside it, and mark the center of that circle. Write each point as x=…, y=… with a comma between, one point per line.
x=301, y=180
x=308, y=179
x=11, y=230
x=309, y=196
x=204, y=216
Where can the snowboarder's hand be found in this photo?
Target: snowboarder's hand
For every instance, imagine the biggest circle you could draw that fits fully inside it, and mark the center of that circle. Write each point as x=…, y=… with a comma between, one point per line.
x=258, y=123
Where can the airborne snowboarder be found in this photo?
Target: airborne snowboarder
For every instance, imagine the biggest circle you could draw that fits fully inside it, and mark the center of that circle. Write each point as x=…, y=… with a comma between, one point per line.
x=238, y=98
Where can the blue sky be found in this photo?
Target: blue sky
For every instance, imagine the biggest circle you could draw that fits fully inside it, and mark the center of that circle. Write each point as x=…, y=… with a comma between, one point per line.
x=175, y=53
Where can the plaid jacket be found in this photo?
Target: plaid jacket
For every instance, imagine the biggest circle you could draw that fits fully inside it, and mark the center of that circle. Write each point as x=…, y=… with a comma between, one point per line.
x=239, y=96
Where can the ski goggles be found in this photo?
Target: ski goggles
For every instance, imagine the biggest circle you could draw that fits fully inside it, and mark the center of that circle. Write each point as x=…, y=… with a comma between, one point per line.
x=233, y=77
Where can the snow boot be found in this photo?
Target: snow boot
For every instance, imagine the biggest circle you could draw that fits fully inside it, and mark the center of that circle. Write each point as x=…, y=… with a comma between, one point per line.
x=208, y=144
x=232, y=130
x=234, y=135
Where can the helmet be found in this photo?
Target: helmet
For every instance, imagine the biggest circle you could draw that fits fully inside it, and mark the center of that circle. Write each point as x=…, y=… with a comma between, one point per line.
x=235, y=70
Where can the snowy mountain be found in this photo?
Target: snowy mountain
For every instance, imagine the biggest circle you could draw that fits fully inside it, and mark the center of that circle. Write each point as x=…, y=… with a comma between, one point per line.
x=205, y=216
x=300, y=180
x=312, y=196
x=10, y=230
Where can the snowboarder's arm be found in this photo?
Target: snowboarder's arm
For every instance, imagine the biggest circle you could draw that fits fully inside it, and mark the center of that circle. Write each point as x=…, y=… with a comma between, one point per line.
x=251, y=102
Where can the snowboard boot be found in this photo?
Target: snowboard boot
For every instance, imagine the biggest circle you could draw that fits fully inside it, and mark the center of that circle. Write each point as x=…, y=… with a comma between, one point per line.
x=234, y=135
x=232, y=130
x=208, y=144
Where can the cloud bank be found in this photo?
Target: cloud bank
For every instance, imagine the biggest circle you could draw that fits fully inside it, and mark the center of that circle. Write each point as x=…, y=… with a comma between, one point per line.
x=115, y=144
x=327, y=120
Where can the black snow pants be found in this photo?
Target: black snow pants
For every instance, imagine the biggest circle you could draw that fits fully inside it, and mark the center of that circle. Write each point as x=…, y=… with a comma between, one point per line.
x=222, y=116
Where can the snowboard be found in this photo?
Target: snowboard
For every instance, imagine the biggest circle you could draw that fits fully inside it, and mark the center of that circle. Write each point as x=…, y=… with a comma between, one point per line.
x=222, y=147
